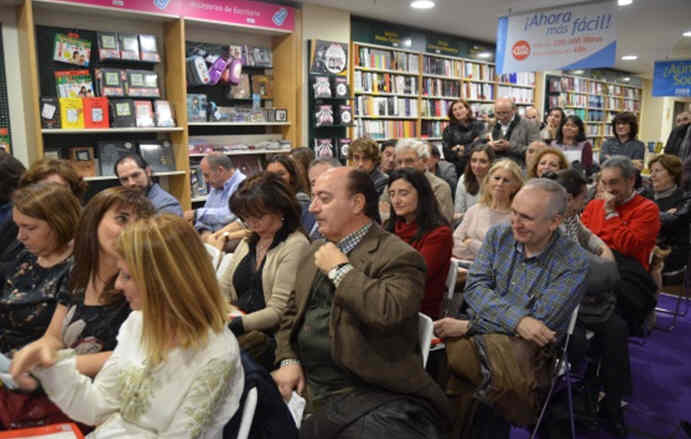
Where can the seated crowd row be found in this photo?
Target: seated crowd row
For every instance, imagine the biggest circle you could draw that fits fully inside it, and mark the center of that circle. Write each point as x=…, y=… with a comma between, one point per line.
x=113, y=316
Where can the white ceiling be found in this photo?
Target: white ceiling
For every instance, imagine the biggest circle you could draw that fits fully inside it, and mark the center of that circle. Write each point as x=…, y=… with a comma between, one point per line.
x=650, y=29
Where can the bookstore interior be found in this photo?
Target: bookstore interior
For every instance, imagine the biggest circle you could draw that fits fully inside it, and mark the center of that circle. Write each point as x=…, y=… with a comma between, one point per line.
x=176, y=80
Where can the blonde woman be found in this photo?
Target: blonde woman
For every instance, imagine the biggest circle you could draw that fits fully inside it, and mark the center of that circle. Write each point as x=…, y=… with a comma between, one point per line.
x=501, y=183
x=176, y=370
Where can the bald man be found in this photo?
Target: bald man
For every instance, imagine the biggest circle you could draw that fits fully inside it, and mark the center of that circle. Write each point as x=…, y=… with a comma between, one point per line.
x=511, y=134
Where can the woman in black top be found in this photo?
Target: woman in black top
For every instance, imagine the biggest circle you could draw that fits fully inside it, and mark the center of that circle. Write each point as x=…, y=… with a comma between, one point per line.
x=459, y=136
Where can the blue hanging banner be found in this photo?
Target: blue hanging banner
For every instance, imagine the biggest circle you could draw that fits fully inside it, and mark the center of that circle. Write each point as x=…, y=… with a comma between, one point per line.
x=565, y=38
x=672, y=78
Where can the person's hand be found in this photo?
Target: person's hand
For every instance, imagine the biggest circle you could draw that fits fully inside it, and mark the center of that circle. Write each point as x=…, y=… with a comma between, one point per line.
x=35, y=354
x=189, y=215
x=534, y=330
x=638, y=164
x=448, y=327
x=610, y=205
x=289, y=378
x=328, y=256
x=384, y=210
x=672, y=211
x=606, y=254
x=217, y=240
x=467, y=242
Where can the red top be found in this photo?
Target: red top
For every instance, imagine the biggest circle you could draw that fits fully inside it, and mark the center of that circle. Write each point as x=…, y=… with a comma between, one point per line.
x=435, y=247
x=632, y=232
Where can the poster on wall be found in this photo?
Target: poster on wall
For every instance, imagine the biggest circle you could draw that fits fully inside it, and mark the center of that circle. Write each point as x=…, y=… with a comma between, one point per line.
x=567, y=38
x=672, y=78
x=328, y=57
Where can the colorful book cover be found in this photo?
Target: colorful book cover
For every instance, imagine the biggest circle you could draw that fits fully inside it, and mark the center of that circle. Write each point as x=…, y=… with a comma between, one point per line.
x=73, y=83
x=72, y=50
x=71, y=113
x=96, y=114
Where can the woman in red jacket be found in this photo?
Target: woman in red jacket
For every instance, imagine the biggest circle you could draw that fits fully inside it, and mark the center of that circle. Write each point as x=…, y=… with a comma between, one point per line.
x=417, y=220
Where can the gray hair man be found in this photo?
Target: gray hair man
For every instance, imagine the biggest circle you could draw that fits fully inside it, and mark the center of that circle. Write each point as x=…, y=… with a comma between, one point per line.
x=512, y=134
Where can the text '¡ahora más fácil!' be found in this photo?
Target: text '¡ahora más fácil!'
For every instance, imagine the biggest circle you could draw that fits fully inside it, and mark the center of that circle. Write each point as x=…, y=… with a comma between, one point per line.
x=558, y=23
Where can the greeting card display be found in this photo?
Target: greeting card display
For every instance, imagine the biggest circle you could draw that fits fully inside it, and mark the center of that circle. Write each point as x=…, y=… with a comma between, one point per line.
x=71, y=113
x=196, y=107
x=163, y=113
x=108, y=46
x=324, y=115
x=110, y=151
x=122, y=111
x=49, y=112
x=340, y=87
x=144, y=114
x=148, y=50
x=110, y=82
x=96, y=113
x=324, y=149
x=142, y=83
x=72, y=50
x=129, y=46
x=73, y=83
x=345, y=114
x=321, y=86
x=159, y=155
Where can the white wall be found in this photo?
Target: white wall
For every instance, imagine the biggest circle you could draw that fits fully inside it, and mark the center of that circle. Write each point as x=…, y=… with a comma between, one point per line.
x=8, y=18
x=320, y=23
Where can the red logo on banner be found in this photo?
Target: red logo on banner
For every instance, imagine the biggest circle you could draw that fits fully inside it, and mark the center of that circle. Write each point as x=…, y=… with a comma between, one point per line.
x=521, y=50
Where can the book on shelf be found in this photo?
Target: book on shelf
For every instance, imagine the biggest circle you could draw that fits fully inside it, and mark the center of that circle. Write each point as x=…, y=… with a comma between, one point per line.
x=142, y=83
x=122, y=113
x=386, y=106
x=257, y=56
x=441, y=87
x=518, y=95
x=480, y=72
x=129, y=46
x=345, y=114
x=325, y=148
x=144, y=113
x=83, y=161
x=387, y=59
x=71, y=49
x=442, y=66
x=436, y=107
x=386, y=129
x=110, y=82
x=148, y=48
x=433, y=128
x=159, y=155
x=324, y=115
x=108, y=45
x=262, y=85
x=71, y=113
x=247, y=164
x=339, y=85
x=523, y=78
x=197, y=182
x=242, y=89
x=343, y=145
x=196, y=107
x=96, y=112
x=73, y=83
x=328, y=57
x=50, y=112
x=375, y=82
x=110, y=151
x=321, y=86
x=479, y=91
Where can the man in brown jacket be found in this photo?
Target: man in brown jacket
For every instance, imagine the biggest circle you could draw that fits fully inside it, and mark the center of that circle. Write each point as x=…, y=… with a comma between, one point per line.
x=349, y=336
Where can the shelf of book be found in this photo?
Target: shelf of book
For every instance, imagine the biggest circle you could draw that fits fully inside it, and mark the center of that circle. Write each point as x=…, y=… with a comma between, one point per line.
x=402, y=95
x=238, y=124
x=430, y=75
x=155, y=174
x=111, y=130
x=246, y=152
x=388, y=117
x=397, y=72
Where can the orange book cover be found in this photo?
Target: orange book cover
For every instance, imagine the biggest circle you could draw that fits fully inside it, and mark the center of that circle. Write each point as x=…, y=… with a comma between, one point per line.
x=55, y=431
x=96, y=112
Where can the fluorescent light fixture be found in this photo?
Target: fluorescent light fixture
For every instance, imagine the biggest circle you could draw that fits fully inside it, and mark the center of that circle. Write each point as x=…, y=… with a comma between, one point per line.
x=484, y=55
x=624, y=2
x=629, y=57
x=422, y=4
x=407, y=42
x=578, y=72
x=627, y=79
x=687, y=34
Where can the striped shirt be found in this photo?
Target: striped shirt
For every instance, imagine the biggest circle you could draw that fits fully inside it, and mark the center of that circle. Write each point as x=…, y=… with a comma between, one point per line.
x=504, y=285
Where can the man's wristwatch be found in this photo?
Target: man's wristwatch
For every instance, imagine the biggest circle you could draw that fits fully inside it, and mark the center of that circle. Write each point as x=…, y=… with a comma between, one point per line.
x=334, y=271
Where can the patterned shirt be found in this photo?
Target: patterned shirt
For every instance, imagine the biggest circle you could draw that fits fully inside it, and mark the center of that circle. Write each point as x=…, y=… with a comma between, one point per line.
x=346, y=245
x=216, y=213
x=504, y=285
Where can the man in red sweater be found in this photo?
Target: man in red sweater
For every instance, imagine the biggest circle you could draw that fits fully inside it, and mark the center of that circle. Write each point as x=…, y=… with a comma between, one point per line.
x=626, y=221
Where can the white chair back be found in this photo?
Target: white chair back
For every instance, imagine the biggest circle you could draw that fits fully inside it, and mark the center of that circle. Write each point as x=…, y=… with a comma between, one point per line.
x=248, y=414
x=214, y=253
x=426, y=331
x=451, y=278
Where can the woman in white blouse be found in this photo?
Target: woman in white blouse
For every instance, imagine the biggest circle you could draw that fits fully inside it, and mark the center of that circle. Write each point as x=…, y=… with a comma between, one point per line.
x=502, y=182
x=176, y=370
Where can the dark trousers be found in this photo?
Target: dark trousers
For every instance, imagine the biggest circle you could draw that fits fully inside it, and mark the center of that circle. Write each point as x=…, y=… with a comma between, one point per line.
x=611, y=343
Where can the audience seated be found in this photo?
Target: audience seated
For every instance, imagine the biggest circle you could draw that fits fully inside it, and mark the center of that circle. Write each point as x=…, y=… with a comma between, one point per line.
x=624, y=142
x=461, y=134
x=223, y=179
x=521, y=291
x=441, y=168
x=303, y=156
x=470, y=184
x=388, y=156
x=294, y=177
x=46, y=216
x=675, y=141
x=416, y=219
x=90, y=311
x=511, y=135
x=349, y=333
x=598, y=311
x=502, y=182
x=411, y=153
x=675, y=209
x=554, y=119
x=133, y=171
x=363, y=154
x=176, y=370
x=532, y=151
x=262, y=273
x=572, y=141
x=11, y=171
x=550, y=159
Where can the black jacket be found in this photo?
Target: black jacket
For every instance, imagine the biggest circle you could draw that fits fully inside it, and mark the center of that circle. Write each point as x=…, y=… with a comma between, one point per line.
x=635, y=292
x=674, y=140
x=674, y=230
x=460, y=134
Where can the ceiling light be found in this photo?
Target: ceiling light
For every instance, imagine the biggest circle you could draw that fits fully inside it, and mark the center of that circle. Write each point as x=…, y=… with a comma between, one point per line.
x=629, y=57
x=624, y=2
x=578, y=72
x=484, y=55
x=422, y=4
x=687, y=34
x=627, y=79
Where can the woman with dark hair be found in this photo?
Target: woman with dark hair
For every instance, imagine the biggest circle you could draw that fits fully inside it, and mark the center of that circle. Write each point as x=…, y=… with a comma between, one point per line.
x=675, y=209
x=90, y=311
x=554, y=120
x=572, y=141
x=11, y=171
x=261, y=276
x=463, y=130
x=294, y=177
x=624, y=142
x=416, y=219
x=469, y=185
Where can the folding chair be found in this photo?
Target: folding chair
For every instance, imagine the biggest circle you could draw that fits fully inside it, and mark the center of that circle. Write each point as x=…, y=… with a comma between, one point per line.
x=562, y=370
x=425, y=331
x=451, y=279
x=214, y=254
x=683, y=297
x=248, y=414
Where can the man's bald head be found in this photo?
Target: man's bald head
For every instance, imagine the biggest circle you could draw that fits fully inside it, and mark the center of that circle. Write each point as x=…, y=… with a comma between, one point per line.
x=503, y=109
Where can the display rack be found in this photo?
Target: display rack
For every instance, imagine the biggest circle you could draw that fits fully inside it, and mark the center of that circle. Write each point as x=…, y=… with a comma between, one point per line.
x=420, y=87
x=172, y=30
x=595, y=101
